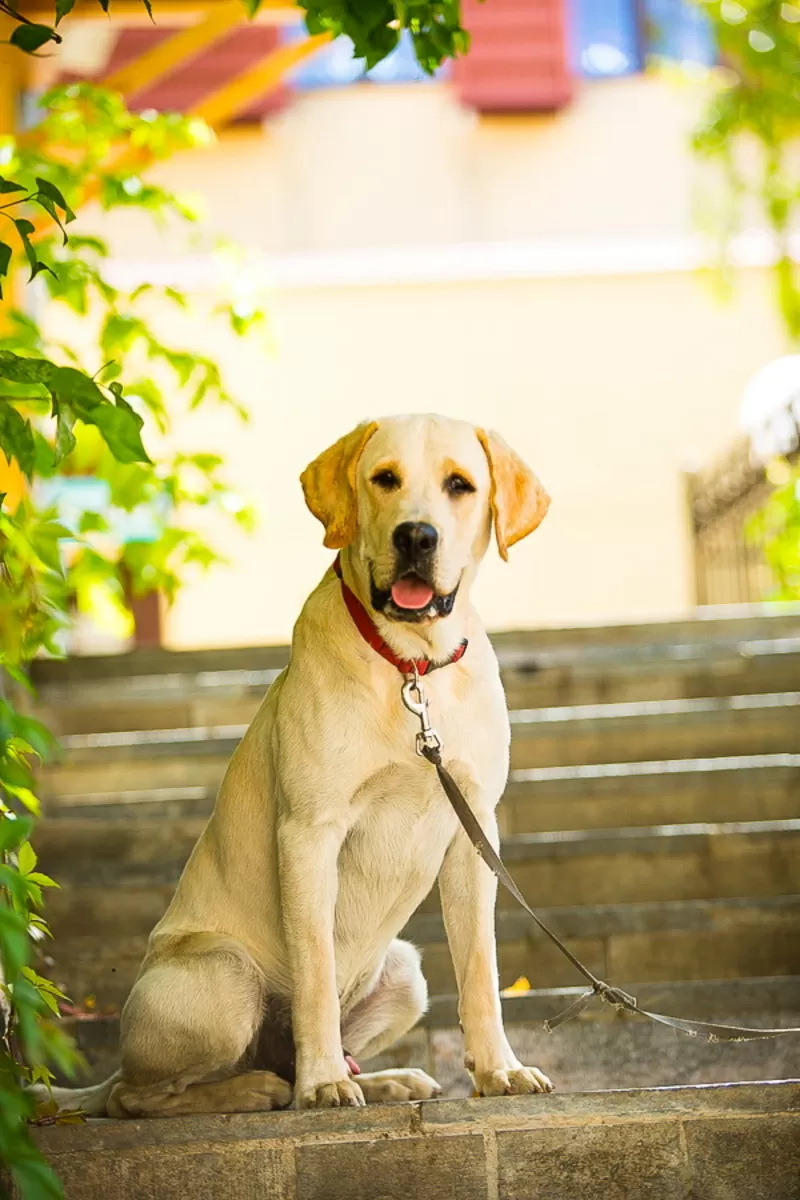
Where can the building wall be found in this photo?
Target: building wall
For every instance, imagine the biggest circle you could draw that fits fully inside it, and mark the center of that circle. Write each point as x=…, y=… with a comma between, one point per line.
x=531, y=273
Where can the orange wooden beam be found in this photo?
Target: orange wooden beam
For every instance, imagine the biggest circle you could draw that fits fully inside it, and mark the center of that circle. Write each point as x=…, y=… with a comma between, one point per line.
x=218, y=109
x=13, y=64
x=227, y=102
x=133, y=12
x=154, y=64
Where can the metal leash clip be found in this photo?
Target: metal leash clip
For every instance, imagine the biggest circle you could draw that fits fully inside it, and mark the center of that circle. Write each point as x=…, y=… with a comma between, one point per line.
x=415, y=702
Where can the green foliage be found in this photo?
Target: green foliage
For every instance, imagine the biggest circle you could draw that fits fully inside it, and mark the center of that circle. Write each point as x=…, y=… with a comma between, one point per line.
x=776, y=529
x=373, y=25
x=63, y=415
x=48, y=197
x=751, y=130
x=29, y=1035
x=752, y=125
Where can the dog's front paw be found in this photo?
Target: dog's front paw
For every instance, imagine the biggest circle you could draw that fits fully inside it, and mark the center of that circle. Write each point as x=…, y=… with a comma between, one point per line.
x=511, y=1081
x=384, y=1087
x=341, y=1093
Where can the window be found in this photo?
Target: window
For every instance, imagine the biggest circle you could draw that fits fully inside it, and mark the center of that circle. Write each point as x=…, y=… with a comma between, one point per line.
x=613, y=37
x=605, y=37
x=335, y=66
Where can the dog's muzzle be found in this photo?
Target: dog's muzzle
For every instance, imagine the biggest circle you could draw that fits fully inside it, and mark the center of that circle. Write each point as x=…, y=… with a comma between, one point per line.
x=412, y=595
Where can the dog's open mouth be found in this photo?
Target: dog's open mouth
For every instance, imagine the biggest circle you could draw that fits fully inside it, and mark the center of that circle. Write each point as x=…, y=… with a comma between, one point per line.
x=411, y=598
x=411, y=592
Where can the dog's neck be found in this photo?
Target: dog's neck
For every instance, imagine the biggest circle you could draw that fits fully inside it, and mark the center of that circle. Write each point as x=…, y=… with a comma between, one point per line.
x=436, y=640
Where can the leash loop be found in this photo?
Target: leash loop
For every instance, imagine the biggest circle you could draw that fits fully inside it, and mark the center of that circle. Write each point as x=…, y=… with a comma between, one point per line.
x=429, y=746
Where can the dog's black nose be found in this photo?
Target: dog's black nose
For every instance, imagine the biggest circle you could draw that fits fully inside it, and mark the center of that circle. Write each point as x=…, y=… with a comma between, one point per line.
x=415, y=540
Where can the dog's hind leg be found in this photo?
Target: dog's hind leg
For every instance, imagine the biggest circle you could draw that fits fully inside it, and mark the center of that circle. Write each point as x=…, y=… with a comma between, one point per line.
x=396, y=1002
x=188, y=1034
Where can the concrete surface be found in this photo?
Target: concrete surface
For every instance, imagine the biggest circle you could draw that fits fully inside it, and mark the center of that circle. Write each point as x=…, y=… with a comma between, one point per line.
x=731, y=1142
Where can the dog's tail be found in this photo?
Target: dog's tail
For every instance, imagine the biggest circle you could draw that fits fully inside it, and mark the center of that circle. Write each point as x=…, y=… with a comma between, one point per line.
x=92, y=1101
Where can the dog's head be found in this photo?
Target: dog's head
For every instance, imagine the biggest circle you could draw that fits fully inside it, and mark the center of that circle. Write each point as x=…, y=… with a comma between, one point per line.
x=416, y=497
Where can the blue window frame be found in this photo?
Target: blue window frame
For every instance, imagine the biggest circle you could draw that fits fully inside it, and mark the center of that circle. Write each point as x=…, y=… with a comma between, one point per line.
x=605, y=38
x=612, y=37
x=679, y=30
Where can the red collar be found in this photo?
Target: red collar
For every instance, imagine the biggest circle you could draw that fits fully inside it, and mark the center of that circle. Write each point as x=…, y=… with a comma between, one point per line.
x=366, y=627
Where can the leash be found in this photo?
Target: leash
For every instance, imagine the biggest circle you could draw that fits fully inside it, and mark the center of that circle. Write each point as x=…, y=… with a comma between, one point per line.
x=429, y=746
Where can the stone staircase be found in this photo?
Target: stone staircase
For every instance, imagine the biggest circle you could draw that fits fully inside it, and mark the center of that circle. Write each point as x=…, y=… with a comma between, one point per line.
x=653, y=816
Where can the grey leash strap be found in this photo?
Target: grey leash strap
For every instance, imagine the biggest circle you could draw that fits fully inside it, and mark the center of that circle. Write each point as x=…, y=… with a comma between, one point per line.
x=429, y=746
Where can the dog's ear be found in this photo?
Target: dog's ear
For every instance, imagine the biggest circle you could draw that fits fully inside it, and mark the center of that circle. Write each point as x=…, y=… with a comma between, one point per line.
x=519, y=502
x=329, y=485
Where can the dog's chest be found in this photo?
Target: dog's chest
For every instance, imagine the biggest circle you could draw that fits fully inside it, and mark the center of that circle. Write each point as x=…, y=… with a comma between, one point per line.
x=394, y=849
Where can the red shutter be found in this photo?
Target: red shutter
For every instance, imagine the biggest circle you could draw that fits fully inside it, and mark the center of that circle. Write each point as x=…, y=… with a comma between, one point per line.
x=517, y=61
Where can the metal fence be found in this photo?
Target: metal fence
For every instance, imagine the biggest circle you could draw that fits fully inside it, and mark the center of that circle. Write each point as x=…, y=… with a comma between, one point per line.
x=729, y=568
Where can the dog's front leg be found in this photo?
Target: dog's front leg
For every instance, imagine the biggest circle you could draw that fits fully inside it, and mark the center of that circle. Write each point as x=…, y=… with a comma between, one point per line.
x=469, y=890
x=308, y=851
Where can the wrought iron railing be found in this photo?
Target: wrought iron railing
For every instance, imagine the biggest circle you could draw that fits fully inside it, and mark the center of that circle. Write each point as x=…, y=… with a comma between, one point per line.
x=729, y=566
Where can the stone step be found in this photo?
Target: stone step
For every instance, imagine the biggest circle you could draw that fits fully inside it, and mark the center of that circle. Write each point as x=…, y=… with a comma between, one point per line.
x=758, y=787
x=598, y=866
x=191, y=757
x=709, y=631
x=655, y=863
x=597, y=795
x=231, y=697
x=656, y=729
x=651, y=673
x=600, y=1049
x=189, y=772
x=678, y=940
x=101, y=935
x=711, y=1143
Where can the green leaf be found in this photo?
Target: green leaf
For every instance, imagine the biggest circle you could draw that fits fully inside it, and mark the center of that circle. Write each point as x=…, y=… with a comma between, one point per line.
x=24, y=370
x=76, y=388
x=16, y=437
x=42, y=880
x=65, y=438
x=13, y=831
x=14, y=945
x=5, y=261
x=35, y=1179
x=92, y=522
x=26, y=858
x=120, y=427
x=34, y=733
x=10, y=185
x=25, y=229
x=63, y=7
x=21, y=677
x=32, y=37
x=52, y=192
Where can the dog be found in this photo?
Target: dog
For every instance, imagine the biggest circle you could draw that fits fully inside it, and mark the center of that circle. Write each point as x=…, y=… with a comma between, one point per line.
x=278, y=963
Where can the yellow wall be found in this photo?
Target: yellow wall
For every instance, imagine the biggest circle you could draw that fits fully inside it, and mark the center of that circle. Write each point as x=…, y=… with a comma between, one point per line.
x=611, y=368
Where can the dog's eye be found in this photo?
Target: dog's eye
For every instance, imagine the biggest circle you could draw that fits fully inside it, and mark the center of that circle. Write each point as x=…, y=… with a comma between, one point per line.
x=457, y=485
x=386, y=480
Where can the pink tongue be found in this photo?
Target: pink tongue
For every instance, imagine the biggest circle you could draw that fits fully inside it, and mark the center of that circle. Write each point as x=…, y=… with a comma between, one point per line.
x=411, y=593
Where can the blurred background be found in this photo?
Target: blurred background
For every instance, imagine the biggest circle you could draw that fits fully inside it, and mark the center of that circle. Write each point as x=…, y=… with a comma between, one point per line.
x=529, y=239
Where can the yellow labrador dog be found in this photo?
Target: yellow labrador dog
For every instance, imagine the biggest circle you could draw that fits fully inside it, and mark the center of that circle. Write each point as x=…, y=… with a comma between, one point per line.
x=278, y=961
